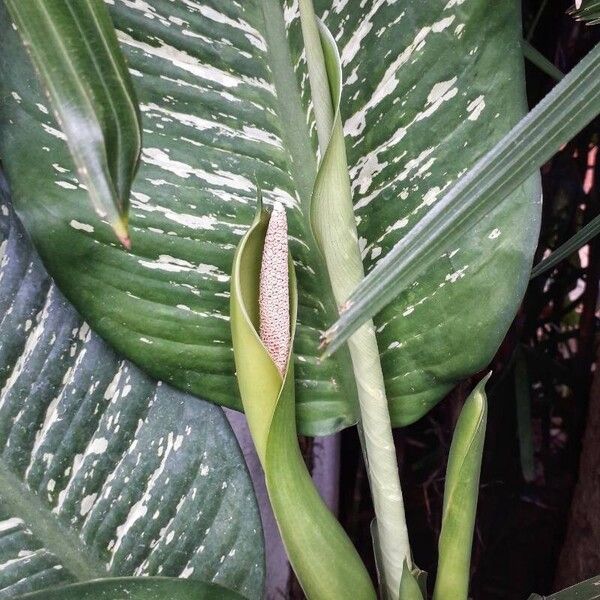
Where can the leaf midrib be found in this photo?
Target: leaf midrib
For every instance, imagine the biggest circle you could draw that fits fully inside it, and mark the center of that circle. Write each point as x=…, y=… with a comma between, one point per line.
x=17, y=499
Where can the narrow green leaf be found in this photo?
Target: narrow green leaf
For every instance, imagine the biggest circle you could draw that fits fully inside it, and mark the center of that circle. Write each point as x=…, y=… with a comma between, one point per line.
x=586, y=10
x=540, y=61
x=137, y=588
x=581, y=238
x=460, y=498
x=523, y=404
x=324, y=559
x=572, y=104
x=585, y=590
x=74, y=48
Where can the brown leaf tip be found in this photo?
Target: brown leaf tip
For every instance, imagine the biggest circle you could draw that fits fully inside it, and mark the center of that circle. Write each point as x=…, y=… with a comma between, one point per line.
x=274, y=293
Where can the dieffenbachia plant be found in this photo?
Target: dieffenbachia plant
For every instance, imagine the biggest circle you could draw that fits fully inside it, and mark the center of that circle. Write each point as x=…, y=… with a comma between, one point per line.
x=427, y=89
x=242, y=109
x=263, y=317
x=338, y=276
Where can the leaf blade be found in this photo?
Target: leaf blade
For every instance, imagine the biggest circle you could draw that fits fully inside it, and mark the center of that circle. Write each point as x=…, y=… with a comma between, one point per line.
x=77, y=500
x=506, y=166
x=206, y=145
x=581, y=238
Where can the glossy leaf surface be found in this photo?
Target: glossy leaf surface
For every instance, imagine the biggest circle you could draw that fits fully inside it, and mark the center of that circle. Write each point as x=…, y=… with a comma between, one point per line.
x=428, y=88
x=104, y=471
x=571, y=105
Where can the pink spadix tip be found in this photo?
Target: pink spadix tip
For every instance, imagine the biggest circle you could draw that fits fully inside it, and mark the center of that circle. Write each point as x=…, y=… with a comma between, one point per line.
x=274, y=292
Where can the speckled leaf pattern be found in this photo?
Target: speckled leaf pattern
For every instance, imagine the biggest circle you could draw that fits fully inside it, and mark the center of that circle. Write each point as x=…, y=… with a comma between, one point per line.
x=102, y=470
x=429, y=87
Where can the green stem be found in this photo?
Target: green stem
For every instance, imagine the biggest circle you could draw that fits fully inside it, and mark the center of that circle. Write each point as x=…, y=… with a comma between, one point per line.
x=335, y=229
x=536, y=20
x=540, y=61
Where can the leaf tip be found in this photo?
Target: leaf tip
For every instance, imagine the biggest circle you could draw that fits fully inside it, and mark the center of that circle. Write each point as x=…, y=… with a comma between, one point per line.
x=122, y=232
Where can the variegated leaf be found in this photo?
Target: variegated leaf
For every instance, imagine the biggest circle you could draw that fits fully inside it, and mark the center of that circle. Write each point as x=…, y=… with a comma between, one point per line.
x=429, y=87
x=104, y=471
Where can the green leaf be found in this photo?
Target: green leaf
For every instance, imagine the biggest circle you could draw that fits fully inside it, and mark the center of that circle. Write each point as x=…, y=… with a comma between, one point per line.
x=324, y=560
x=104, y=471
x=586, y=10
x=585, y=590
x=428, y=90
x=76, y=54
x=564, y=112
x=582, y=237
x=460, y=498
x=146, y=588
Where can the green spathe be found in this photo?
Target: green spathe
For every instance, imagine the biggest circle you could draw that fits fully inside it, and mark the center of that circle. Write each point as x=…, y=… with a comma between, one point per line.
x=324, y=559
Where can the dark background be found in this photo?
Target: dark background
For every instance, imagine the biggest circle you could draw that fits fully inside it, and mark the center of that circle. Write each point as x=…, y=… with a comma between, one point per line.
x=536, y=525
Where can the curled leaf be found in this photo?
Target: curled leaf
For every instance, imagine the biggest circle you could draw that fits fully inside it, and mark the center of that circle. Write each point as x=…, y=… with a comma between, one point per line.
x=460, y=498
x=334, y=226
x=324, y=559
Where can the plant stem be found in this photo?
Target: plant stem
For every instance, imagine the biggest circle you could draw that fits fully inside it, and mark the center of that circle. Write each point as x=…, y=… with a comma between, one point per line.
x=338, y=240
x=540, y=61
